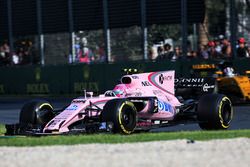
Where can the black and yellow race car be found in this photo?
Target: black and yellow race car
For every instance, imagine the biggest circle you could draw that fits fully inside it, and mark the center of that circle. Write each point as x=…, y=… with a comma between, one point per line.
x=228, y=82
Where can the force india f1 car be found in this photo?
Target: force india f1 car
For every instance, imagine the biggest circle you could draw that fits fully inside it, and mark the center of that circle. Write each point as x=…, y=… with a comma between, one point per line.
x=140, y=102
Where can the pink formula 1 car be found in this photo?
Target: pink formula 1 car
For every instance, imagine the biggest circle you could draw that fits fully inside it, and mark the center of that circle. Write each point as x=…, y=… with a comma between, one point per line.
x=140, y=102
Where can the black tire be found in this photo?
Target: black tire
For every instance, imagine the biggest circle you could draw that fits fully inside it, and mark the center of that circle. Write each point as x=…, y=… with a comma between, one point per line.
x=36, y=114
x=214, y=112
x=122, y=113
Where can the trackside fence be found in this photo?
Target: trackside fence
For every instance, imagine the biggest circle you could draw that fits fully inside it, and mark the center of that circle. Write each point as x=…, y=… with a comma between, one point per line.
x=73, y=79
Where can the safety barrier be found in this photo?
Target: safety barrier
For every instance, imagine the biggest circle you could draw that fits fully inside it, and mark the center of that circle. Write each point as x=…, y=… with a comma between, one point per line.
x=73, y=79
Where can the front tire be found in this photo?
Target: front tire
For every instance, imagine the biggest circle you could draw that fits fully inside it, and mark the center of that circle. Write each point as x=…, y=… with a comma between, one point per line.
x=35, y=114
x=122, y=113
x=214, y=112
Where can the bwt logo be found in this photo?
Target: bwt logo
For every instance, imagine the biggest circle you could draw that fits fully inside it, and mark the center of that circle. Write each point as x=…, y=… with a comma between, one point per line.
x=163, y=78
x=162, y=106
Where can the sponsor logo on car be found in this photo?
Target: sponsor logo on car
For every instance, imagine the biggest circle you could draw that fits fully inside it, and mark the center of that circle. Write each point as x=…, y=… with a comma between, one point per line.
x=72, y=107
x=163, y=106
x=146, y=83
x=189, y=80
x=206, y=87
x=135, y=77
x=203, y=66
x=162, y=78
x=157, y=92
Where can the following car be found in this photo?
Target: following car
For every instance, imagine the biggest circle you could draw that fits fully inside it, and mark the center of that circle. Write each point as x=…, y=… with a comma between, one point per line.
x=228, y=82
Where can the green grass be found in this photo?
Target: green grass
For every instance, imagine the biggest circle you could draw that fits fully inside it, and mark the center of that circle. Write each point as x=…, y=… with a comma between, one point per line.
x=2, y=129
x=110, y=138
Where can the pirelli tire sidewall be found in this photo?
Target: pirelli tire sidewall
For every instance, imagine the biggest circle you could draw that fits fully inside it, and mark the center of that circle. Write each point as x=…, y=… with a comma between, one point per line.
x=36, y=113
x=214, y=111
x=122, y=113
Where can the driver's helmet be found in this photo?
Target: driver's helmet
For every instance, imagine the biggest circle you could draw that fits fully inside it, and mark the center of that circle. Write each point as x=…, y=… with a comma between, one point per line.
x=229, y=71
x=120, y=90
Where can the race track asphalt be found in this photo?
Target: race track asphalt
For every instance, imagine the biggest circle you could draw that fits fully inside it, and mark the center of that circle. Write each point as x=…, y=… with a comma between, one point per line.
x=10, y=108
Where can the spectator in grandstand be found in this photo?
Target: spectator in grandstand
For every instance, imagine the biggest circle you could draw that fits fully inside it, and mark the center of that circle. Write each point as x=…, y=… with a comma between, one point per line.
x=22, y=54
x=203, y=52
x=164, y=53
x=218, y=46
x=85, y=54
x=4, y=54
x=213, y=54
x=100, y=54
x=242, y=50
x=75, y=58
x=161, y=53
x=160, y=50
x=16, y=58
x=226, y=49
x=192, y=55
x=26, y=52
x=248, y=51
x=176, y=54
x=153, y=53
x=6, y=47
x=167, y=51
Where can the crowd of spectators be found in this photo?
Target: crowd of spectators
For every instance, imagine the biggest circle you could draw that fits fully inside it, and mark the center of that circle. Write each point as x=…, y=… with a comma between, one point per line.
x=22, y=54
x=86, y=54
x=215, y=49
x=4, y=54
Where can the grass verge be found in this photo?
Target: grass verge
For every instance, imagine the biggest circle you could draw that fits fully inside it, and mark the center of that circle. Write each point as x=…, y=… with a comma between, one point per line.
x=110, y=138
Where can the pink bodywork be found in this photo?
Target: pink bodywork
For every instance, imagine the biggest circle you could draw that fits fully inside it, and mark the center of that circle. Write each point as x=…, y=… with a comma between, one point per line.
x=153, y=84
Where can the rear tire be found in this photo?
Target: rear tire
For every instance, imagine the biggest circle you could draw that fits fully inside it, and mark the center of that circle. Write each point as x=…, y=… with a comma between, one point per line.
x=35, y=114
x=122, y=113
x=214, y=112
